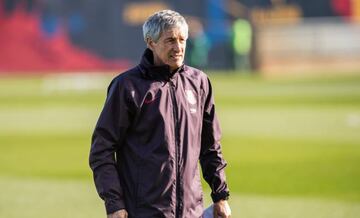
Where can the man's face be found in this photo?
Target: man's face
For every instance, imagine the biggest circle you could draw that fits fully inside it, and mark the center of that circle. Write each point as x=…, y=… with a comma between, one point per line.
x=170, y=48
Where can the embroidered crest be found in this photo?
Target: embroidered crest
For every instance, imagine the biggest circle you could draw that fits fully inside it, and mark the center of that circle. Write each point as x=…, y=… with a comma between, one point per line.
x=190, y=97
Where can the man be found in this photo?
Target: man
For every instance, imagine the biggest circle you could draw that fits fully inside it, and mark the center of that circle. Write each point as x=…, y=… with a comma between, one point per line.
x=158, y=121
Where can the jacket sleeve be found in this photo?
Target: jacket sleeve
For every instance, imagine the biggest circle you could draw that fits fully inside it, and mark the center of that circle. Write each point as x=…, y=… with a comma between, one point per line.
x=211, y=158
x=107, y=139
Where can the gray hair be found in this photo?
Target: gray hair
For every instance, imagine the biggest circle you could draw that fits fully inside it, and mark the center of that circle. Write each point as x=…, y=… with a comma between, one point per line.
x=161, y=21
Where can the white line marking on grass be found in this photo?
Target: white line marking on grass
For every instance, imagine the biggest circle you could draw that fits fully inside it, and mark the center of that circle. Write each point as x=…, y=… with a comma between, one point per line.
x=353, y=120
x=80, y=82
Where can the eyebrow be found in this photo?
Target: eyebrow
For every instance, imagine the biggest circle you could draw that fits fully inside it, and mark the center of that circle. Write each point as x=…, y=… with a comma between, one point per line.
x=173, y=38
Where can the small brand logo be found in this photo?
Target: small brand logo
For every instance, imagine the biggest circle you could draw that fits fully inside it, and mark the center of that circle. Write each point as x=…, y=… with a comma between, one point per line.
x=192, y=110
x=150, y=98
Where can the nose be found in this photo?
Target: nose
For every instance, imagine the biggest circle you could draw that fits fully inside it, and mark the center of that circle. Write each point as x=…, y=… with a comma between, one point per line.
x=177, y=46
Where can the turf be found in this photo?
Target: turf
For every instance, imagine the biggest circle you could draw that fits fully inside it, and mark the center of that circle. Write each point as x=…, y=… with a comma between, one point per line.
x=292, y=145
x=33, y=198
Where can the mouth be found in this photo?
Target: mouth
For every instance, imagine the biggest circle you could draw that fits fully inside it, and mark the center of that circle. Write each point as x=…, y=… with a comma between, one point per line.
x=176, y=57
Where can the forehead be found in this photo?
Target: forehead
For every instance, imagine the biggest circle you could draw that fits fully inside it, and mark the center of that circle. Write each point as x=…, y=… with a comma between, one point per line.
x=176, y=32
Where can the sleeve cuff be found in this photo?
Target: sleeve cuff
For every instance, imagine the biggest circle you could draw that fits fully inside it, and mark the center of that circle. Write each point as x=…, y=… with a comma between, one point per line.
x=220, y=196
x=114, y=206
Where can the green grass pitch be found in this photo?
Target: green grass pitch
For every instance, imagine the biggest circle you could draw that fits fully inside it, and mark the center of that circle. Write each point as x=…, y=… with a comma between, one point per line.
x=292, y=145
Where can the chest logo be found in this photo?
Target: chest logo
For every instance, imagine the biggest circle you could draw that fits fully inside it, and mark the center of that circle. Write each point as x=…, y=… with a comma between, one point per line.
x=190, y=97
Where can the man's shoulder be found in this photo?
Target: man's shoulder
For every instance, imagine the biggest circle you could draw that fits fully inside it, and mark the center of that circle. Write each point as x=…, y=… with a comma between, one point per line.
x=129, y=74
x=195, y=73
x=126, y=79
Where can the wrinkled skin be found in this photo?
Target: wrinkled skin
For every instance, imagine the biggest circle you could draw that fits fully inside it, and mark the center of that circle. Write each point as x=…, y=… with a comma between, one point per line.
x=222, y=209
x=170, y=48
x=118, y=214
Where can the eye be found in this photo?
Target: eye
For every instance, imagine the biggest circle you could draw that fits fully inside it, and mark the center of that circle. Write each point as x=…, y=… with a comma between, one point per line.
x=170, y=40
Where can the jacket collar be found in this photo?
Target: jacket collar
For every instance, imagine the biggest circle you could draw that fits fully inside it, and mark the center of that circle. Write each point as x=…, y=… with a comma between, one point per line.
x=150, y=71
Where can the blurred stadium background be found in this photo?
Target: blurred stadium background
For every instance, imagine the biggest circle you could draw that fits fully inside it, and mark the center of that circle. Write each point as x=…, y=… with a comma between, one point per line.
x=286, y=76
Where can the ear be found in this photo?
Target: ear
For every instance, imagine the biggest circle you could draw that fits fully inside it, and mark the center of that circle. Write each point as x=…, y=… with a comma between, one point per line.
x=150, y=43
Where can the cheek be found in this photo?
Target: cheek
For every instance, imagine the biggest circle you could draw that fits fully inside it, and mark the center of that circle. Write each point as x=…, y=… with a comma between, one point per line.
x=183, y=48
x=163, y=53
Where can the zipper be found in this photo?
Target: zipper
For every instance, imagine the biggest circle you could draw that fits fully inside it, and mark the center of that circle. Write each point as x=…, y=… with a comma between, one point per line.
x=177, y=149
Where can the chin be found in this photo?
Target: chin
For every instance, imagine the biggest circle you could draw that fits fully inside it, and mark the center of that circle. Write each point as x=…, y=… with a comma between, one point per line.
x=175, y=65
x=178, y=64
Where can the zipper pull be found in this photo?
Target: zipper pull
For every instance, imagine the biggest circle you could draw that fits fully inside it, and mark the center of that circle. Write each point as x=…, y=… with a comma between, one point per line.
x=172, y=83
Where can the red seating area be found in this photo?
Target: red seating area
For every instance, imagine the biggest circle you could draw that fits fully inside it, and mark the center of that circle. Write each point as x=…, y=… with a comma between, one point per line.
x=24, y=48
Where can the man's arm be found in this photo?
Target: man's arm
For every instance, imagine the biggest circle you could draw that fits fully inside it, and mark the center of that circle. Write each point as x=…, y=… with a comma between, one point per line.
x=211, y=159
x=222, y=209
x=106, y=140
x=118, y=214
